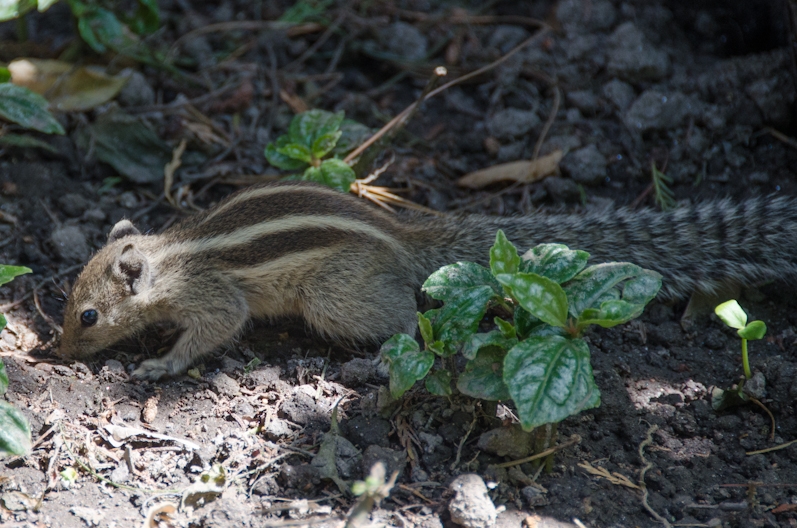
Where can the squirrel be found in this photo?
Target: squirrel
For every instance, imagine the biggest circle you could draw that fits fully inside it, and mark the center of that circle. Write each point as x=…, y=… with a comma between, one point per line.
x=353, y=271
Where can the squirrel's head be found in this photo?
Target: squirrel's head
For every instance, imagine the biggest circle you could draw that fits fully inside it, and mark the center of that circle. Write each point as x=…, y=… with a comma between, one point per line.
x=106, y=299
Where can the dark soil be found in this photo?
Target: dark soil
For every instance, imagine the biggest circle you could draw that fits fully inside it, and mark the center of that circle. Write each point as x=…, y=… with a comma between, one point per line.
x=705, y=90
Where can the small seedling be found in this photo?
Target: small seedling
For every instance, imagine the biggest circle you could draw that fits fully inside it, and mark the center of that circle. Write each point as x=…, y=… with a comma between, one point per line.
x=535, y=356
x=732, y=315
x=311, y=137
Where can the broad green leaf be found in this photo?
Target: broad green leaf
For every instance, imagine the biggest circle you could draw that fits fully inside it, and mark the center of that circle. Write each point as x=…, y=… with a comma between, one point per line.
x=439, y=383
x=554, y=261
x=408, y=363
x=459, y=318
x=308, y=126
x=589, y=288
x=22, y=106
x=14, y=431
x=7, y=273
x=503, y=255
x=20, y=141
x=5, y=75
x=731, y=314
x=493, y=338
x=324, y=144
x=281, y=161
x=549, y=379
x=611, y=313
x=425, y=326
x=455, y=280
x=642, y=288
x=483, y=377
x=353, y=135
x=541, y=296
x=754, y=330
x=506, y=328
x=3, y=373
x=127, y=144
x=337, y=174
x=297, y=152
x=101, y=30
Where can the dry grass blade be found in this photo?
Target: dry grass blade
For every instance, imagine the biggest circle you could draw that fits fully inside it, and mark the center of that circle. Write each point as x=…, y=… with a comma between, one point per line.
x=170, y=168
x=615, y=478
x=523, y=171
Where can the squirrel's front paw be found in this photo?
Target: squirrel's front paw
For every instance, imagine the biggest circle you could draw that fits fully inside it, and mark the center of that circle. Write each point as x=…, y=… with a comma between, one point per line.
x=152, y=370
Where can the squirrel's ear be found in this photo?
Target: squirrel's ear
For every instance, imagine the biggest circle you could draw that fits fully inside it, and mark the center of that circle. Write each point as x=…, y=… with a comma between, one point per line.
x=132, y=268
x=122, y=229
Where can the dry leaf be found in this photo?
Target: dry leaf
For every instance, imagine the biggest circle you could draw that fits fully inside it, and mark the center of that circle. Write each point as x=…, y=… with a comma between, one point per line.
x=66, y=87
x=615, y=478
x=525, y=171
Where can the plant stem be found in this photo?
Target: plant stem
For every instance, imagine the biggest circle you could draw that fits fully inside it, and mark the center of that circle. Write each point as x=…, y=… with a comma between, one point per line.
x=745, y=361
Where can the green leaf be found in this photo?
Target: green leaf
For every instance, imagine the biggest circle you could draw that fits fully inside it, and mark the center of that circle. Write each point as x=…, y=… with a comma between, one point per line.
x=281, y=161
x=754, y=330
x=554, y=261
x=307, y=127
x=324, y=144
x=503, y=255
x=5, y=74
x=541, y=296
x=453, y=281
x=506, y=328
x=550, y=378
x=101, y=30
x=611, y=313
x=493, y=338
x=14, y=431
x=425, y=327
x=483, y=377
x=731, y=314
x=127, y=144
x=20, y=141
x=459, y=318
x=353, y=135
x=337, y=174
x=28, y=109
x=297, y=152
x=7, y=273
x=3, y=373
x=408, y=363
x=590, y=288
x=11, y=9
x=439, y=383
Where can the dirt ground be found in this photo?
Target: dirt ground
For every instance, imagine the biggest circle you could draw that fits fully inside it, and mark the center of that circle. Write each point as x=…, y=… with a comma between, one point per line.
x=704, y=89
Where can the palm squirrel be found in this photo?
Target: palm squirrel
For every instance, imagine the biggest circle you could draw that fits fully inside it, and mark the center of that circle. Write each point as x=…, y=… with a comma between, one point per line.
x=352, y=271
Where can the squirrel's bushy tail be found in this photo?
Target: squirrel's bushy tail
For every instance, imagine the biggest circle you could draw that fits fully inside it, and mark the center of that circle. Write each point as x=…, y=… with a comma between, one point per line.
x=700, y=247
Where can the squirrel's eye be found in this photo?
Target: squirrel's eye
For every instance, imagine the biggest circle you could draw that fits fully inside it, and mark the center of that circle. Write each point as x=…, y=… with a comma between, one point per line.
x=89, y=317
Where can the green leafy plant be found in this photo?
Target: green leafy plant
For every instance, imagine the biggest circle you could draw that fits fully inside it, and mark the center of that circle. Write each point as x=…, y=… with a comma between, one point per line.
x=103, y=25
x=311, y=137
x=535, y=355
x=14, y=428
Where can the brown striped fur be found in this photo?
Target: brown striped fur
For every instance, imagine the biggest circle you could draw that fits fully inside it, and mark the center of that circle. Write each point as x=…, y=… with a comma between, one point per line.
x=352, y=271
